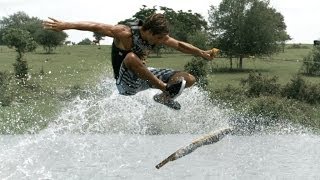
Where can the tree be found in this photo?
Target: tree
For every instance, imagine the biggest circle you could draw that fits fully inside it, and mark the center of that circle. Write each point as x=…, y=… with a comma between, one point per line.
x=97, y=38
x=198, y=67
x=311, y=63
x=50, y=39
x=19, y=20
x=142, y=14
x=85, y=41
x=199, y=39
x=22, y=41
x=183, y=25
x=247, y=27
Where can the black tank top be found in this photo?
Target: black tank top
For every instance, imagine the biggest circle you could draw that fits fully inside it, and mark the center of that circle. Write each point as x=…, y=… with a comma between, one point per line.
x=139, y=46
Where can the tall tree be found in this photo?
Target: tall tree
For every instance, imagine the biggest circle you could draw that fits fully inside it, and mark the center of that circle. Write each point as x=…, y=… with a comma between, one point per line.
x=142, y=14
x=184, y=24
x=97, y=38
x=50, y=39
x=85, y=41
x=247, y=27
x=22, y=41
x=20, y=20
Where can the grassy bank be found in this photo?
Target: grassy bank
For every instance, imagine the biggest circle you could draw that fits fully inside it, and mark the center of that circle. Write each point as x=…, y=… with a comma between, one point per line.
x=54, y=78
x=70, y=68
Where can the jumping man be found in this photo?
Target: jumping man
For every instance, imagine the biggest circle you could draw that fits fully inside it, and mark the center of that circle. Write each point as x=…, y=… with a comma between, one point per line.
x=130, y=48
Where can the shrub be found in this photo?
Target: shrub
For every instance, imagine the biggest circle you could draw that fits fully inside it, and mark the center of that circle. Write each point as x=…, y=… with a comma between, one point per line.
x=311, y=63
x=232, y=95
x=301, y=90
x=198, y=68
x=267, y=106
x=5, y=95
x=257, y=84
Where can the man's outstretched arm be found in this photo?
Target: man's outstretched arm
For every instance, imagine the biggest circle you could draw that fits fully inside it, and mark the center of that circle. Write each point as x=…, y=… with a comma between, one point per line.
x=58, y=25
x=188, y=48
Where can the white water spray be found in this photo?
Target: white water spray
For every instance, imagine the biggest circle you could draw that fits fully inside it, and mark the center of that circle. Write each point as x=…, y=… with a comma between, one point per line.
x=106, y=111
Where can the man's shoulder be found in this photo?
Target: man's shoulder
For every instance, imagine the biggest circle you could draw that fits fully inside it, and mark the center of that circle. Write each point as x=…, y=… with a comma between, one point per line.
x=122, y=30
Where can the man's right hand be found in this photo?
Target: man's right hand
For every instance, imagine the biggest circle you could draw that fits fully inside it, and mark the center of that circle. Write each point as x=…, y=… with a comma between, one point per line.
x=214, y=52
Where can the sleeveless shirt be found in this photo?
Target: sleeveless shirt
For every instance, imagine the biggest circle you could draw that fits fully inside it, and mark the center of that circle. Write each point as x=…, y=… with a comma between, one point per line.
x=139, y=46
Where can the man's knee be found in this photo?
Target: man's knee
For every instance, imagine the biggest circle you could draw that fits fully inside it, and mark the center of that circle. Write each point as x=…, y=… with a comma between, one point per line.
x=190, y=79
x=131, y=60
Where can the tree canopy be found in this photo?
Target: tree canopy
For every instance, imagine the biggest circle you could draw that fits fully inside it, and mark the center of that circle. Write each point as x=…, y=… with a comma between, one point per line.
x=20, y=20
x=247, y=27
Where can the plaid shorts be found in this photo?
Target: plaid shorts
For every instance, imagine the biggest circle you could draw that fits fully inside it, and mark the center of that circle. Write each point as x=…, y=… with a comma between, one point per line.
x=128, y=83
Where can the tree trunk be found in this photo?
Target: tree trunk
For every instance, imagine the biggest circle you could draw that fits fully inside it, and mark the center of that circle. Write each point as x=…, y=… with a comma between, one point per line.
x=240, y=62
x=230, y=62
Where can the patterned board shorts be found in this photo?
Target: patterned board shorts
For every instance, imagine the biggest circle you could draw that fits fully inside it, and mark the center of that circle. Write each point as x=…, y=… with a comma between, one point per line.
x=128, y=83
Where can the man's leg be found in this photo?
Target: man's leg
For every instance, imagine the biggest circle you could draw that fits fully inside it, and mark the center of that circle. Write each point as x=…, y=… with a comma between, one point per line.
x=133, y=63
x=190, y=79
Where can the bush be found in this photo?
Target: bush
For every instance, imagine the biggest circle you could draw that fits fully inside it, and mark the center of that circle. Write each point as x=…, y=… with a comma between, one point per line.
x=5, y=95
x=232, y=95
x=301, y=90
x=21, y=69
x=198, y=68
x=298, y=46
x=257, y=84
x=311, y=63
x=267, y=106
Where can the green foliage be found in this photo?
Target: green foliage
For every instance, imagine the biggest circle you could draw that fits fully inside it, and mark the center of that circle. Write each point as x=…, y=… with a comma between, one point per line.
x=257, y=84
x=198, y=68
x=231, y=95
x=22, y=21
x=21, y=69
x=50, y=39
x=297, y=46
x=22, y=41
x=311, y=63
x=183, y=24
x=19, y=39
x=5, y=95
x=199, y=39
x=301, y=90
x=98, y=37
x=267, y=106
x=85, y=41
x=142, y=14
x=246, y=27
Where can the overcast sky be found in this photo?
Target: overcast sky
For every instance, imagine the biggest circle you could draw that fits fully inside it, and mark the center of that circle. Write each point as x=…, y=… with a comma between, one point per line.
x=301, y=17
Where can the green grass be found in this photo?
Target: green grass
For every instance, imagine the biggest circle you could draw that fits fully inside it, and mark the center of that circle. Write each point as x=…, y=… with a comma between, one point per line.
x=66, y=67
x=283, y=65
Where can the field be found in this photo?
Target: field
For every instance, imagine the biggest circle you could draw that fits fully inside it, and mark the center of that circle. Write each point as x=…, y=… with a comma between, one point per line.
x=80, y=67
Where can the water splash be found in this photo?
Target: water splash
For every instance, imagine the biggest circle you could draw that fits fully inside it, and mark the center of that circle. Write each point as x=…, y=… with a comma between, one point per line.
x=106, y=135
x=106, y=111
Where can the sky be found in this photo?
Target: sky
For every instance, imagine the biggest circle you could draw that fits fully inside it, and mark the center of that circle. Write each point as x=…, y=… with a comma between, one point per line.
x=301, y=17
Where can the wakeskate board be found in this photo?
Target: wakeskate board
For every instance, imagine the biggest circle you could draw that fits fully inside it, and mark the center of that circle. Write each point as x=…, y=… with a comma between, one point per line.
x=210, y=138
